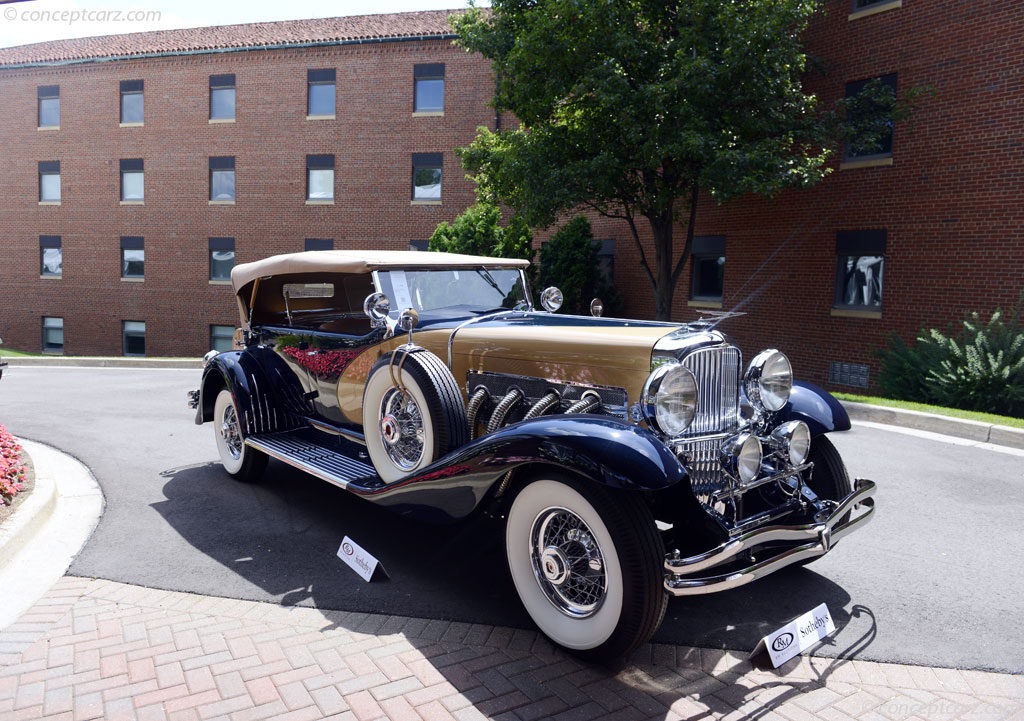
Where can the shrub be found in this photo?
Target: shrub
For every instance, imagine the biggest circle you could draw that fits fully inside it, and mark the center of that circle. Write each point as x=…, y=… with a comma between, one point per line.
x=569, y=261
x=979, y=368
x=478, y=231
x=12, y=472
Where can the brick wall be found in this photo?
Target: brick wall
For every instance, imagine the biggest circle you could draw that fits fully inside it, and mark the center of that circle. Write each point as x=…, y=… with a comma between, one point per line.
x=372, y=138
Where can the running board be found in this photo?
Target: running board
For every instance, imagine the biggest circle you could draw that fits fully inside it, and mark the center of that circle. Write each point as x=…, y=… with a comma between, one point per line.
x=314, y=459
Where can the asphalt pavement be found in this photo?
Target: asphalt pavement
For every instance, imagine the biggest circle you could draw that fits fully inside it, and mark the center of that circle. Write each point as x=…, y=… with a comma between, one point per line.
x=935, y=579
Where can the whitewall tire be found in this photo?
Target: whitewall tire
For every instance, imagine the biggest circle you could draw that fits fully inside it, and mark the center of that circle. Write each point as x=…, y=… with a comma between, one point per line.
x=587, y=565
x=239, y=460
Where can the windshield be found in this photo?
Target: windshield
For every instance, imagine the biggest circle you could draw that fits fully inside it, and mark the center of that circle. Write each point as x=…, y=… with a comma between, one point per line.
x=464, y=291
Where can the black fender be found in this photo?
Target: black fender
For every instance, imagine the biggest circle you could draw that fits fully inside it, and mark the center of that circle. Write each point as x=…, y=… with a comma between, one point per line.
x=816, y=407
x=262, y=386
x=598, y=448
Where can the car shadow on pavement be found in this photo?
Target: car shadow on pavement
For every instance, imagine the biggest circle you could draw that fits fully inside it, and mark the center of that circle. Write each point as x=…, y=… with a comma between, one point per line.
x=282, y=535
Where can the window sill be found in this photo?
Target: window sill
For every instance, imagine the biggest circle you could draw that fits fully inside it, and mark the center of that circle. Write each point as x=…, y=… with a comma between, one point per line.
x=221, y=121
x=710, y=304
x=132, y=280
x=855, y=313
x=222, y=202
x=52, y=351
x=131, y=125
x=424, y=202
x=875, y=9
x=220, y=282
x=428, y=114
x=315, y=201
x=133, y=202
x=865, y=163
x=48, y=127
x=49, y=202
x=321, y=117
x=51, y=277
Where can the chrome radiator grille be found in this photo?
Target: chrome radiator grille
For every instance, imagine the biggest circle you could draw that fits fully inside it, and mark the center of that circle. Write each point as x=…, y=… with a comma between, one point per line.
x=717, y=371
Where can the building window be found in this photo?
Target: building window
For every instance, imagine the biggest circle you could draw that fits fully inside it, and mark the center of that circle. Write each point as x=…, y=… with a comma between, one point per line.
x=867, y=112
x=133, y=257
x=708, y=279
x=426, y=176
x=321, y=93
x=132, y=181
x=222, y=97
x=53, y=334
x=319, y=177
x=860, y=260
x=861, y=4
x=606, y=259
x=222, y=337
x=222, y=258
x=319, y=244
x=422, y=245
x=428, y=95
x=51, y=261
x=131, y=102
x=133, y=337
x=222, y=179
x=49, y=106
x=49, y=181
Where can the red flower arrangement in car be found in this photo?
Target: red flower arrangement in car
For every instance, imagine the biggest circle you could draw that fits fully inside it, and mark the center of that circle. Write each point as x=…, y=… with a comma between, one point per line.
x=12, y=472
x=327, y=364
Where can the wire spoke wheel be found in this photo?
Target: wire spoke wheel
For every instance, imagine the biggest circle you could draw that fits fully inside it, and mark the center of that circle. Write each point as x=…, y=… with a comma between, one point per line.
x=401, y=428
x=568, y=562
x=230, y=432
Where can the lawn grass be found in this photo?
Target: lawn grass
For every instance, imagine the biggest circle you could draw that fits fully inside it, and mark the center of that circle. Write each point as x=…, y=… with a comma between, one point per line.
x=16, y=353
x=938, y=410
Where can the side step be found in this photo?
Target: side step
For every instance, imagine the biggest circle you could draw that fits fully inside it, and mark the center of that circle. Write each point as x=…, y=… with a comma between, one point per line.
x=324, y=463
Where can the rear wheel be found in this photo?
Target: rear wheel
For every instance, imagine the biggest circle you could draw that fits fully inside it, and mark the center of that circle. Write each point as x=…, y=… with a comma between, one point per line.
x=587, y=564
x=240, y=461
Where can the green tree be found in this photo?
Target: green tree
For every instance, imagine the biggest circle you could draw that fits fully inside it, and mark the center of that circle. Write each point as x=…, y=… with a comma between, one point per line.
x=478, y=231
x=633, y=108
x=569, y=260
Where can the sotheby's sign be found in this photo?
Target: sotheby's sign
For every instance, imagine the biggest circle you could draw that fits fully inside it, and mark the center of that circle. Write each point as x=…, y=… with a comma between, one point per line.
x=361, y=560
x=797, y=636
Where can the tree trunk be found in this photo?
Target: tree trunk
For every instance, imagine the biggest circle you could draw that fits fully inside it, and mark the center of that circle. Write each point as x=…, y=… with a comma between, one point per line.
x=664, y=283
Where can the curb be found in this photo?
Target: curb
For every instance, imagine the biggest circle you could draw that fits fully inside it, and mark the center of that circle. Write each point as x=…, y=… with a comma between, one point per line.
x=100, y=362
x=958, y=427
x=23, y=525
x=40, y=549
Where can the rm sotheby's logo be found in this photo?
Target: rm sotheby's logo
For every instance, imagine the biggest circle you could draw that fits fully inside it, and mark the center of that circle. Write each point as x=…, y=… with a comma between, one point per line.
x=347, y=548
x=782, y=642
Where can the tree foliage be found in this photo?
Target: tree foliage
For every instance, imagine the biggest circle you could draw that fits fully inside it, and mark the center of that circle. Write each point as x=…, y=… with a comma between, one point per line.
x=632, y=108
x=478, y=231
x=570, y=261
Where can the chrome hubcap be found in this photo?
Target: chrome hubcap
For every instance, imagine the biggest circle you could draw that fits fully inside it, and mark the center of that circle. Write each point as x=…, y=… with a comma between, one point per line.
x=568, y=562
x=401, y=428
x=230, y=433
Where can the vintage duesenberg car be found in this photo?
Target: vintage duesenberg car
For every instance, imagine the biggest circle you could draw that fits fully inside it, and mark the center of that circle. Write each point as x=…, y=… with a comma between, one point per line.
x=629, y=459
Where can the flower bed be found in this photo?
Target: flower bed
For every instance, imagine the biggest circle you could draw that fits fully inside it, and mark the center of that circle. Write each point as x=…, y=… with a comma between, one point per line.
x=12, y=470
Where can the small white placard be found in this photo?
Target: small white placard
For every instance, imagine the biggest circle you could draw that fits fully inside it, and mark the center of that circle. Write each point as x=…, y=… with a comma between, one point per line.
x=400, y=287
x=797, y=636
x=361, y=561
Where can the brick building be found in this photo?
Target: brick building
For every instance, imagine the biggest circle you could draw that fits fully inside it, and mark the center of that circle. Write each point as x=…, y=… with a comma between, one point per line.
x=140, y=167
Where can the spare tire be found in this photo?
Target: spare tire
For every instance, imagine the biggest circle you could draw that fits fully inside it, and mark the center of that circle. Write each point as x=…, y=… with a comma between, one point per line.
x=407, y=430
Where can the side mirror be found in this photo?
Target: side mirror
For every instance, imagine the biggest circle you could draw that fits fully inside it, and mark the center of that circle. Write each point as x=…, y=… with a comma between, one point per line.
x=596, y=307
x=377, y=306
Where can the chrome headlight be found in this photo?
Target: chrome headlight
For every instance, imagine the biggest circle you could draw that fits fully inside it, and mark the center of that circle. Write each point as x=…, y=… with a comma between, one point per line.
x=741, y=456
x=794, y=438
x=670, y=399
x=769, y=380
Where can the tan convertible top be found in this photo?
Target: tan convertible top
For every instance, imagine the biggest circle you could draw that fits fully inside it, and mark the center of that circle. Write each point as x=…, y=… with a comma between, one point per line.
x=360, y=261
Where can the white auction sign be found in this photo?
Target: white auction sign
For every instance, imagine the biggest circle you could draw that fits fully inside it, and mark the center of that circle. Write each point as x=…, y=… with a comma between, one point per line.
x=797, y=636
x=358, y=558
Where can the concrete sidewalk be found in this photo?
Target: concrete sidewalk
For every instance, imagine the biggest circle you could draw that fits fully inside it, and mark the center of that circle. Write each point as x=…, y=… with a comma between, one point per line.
x=94, y=649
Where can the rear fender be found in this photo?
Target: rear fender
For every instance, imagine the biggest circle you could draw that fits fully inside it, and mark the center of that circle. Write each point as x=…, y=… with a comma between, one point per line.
x=816, y=407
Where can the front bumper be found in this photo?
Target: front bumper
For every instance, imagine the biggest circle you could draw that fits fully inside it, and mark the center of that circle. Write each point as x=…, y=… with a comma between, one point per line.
x=790, y=544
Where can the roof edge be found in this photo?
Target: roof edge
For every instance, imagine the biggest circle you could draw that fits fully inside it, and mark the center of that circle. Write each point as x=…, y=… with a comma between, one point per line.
x=221, y=51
